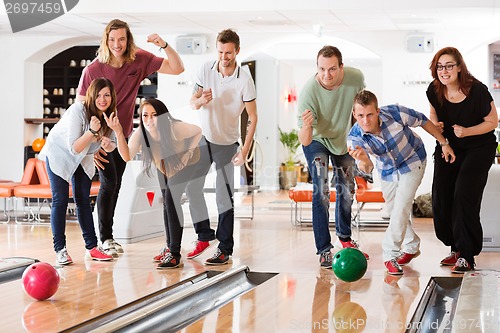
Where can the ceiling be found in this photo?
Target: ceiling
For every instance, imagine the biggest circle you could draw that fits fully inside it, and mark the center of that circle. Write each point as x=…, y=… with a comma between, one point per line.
x=89, y=17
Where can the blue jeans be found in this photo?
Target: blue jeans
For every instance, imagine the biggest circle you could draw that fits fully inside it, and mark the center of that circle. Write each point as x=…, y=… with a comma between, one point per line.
x=81, y=184
x=318, y=158
x=221, y=155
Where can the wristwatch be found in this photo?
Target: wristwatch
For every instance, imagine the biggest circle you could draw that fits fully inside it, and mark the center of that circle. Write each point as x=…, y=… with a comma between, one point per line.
x=446, y=142
x=95, y=133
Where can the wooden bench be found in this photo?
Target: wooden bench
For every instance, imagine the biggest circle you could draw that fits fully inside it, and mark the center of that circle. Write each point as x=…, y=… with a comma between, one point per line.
x=364, y=194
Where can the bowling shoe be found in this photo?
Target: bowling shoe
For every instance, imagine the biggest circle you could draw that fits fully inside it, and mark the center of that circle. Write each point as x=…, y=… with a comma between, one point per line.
x=405, y=258
x=63, y=257
x=353, y=244
x=161, y=255
x=109, y=248
x=325, y=260
x=393, y=267
x=451, y=259
x=170, y=261
x=200, y=247
x=462, y=266
x=97, y=253
x=219, y=258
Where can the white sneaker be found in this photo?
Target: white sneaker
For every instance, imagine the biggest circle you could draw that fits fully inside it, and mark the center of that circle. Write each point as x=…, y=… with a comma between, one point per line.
x=63, y=257
x=109, y=248
x=118, y=247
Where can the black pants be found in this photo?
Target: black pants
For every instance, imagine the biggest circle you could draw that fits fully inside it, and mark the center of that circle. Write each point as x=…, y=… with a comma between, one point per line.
x=111, y=181
x=457, y=192
x=173, y=217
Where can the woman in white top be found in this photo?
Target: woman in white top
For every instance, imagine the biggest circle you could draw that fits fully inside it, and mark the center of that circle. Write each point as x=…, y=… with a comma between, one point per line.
x=172, y=146
x=69, y=154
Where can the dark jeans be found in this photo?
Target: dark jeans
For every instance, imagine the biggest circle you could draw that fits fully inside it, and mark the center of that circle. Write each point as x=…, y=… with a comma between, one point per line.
x=81, y=184
x=457, y=192
x=221, y=155
x=111, y=181
x=318, y=158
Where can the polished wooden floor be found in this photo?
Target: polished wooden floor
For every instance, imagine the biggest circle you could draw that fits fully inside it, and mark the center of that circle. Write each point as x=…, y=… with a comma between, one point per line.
x=301, y=298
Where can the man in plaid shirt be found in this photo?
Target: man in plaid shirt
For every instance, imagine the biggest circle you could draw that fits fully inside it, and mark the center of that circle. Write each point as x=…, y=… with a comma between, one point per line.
x=400, y=158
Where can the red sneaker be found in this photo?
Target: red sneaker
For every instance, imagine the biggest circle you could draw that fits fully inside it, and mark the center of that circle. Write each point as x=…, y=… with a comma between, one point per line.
x=354, y=245
x=393, y=267
x=451, y=259
x=200, y=247
x=405, y=258
x=97, y=253
x=161, y=255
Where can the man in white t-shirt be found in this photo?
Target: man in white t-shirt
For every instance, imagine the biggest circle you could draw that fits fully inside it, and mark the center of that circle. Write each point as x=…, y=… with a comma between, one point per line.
x=222, y=91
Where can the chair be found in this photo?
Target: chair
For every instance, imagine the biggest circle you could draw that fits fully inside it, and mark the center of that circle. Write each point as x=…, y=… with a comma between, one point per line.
x=7, y=189
x=366, y=194
x=39, y=189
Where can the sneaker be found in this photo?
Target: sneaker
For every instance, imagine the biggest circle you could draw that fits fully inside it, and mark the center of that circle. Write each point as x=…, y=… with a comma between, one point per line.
x=405, y=258
x=451, y=259
x=393, y=267
x=325, y=260
x=461, y=266
x=219, y=258
x=170, y=261
x=353, y=244
x=63, y=257
x=109, y=248
x=200, y=247
x=97, y=253
x=161, y=255
x=118, y=247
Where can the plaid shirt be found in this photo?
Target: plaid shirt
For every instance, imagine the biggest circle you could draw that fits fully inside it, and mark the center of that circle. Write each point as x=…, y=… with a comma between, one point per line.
x=397, y=148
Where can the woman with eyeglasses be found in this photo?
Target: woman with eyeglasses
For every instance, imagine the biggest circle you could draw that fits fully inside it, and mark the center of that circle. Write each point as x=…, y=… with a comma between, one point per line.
x=463, y=109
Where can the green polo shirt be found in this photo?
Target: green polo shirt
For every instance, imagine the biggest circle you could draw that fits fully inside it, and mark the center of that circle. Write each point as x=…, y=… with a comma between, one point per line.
x=332, y=109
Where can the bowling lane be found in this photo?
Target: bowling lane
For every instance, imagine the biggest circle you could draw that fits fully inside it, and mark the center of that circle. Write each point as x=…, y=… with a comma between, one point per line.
x=301, y=302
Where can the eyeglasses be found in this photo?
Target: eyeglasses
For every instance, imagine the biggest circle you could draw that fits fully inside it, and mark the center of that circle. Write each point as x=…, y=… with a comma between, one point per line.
x=448, y=67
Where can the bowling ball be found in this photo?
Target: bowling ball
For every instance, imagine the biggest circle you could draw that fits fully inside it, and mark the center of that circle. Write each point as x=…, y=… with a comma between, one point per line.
x=349, y=264
x=40, y=280
x=38, y=144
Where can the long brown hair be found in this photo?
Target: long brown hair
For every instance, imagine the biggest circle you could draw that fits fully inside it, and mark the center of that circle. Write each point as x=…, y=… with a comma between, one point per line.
x=104, y=54
x=465, y=78
x=90, y=98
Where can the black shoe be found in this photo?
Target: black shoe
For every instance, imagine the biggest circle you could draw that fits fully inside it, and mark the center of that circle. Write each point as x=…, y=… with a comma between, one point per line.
x=462, y=266
x=219, y=258
x=170, y=261
x=325, y=259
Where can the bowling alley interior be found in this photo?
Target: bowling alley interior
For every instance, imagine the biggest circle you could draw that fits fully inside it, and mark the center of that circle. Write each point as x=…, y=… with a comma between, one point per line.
x=274, y=281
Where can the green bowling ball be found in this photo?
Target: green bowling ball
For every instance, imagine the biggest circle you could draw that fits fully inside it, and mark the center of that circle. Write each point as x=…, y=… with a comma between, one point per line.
x=349, y=264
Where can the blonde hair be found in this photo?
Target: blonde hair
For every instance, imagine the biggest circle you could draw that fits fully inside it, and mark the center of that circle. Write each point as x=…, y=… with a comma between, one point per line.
x=104, y=54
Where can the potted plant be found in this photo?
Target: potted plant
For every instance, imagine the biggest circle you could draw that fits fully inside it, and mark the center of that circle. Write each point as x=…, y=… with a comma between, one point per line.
x=288, y=175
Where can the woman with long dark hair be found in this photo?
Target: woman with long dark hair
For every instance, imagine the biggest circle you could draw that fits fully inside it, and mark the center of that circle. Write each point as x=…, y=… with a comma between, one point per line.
x=171, y=146
x=69, y=154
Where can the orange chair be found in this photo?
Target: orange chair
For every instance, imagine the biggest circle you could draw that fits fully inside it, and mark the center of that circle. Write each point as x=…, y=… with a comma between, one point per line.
x=364, y=194
x=39, y=189
x=299, y=195
x=7, y=188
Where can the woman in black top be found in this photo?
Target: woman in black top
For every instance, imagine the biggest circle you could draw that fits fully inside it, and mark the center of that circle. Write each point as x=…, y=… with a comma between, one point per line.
x=463, y=109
